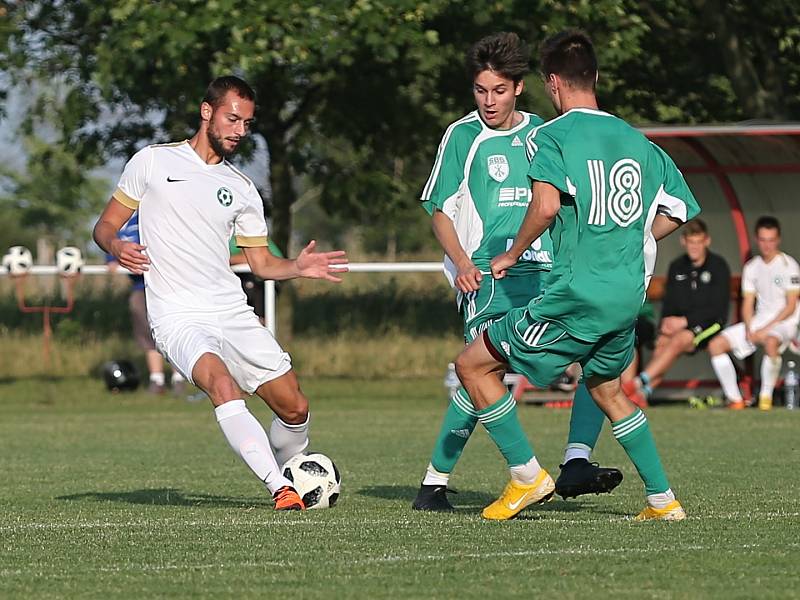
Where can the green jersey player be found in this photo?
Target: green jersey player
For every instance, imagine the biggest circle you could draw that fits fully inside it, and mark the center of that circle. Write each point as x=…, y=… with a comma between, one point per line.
x=607, y=194
x=477, y=194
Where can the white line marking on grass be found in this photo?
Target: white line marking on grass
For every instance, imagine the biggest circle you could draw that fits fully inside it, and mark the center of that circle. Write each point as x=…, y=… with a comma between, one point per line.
x=553, y=552
x=534, y=518
x=391, y=559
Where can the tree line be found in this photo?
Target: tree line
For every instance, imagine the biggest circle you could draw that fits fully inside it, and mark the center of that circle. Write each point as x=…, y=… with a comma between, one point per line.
x=353, y=95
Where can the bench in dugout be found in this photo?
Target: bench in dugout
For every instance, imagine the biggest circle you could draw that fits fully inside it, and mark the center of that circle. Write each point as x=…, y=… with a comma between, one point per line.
x=691, y=375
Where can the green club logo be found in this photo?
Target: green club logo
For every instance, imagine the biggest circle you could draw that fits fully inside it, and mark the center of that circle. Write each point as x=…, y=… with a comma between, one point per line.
x=225, y=196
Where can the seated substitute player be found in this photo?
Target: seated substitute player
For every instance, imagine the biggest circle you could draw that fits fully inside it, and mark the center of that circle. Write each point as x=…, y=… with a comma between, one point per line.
x=191, y=199
x=609, y=194
x=477, y=195
x=694, y=310
x=770, y=315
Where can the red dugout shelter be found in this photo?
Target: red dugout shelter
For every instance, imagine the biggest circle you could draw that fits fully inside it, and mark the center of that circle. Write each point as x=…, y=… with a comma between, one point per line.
x=737, y=173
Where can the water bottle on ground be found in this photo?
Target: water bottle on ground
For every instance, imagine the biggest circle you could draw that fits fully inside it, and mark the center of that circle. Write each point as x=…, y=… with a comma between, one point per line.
x=451, y=381
x=791, y=385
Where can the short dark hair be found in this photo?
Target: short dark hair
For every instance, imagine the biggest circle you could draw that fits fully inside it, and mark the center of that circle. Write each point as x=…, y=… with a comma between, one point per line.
x=695, y=227
x=504, y=53
x=217, y=89
x=767, y=222
x=570, y=55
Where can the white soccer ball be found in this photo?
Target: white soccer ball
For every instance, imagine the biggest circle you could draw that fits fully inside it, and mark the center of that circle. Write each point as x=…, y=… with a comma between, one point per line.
x=69, y=260
x=315, y=478
x=18, y=260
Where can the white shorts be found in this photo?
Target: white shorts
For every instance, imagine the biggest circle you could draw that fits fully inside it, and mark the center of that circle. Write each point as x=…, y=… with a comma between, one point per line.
x=246, y=347
x=742, y=348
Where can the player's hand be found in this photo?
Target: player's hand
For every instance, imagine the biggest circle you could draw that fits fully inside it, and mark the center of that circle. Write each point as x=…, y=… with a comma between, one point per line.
x=468, y=278
x=321, y=265
x=759, y=336
x=502, y=263
x=130, y=255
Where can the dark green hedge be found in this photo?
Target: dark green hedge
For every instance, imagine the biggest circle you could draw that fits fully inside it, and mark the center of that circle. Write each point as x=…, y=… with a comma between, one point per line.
x=95, y=313
x=98, y=313
x=378, y=311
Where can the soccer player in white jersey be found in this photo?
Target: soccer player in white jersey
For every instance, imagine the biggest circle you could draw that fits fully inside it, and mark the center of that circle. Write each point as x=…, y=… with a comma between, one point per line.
x=770, y=315
x=190, y=201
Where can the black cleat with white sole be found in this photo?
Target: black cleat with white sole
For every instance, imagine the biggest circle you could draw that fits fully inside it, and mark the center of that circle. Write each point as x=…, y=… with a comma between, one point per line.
x=579, y=476
x=433, y=498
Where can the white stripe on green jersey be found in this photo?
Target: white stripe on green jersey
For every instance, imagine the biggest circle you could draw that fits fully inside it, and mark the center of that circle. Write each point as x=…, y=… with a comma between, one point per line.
x=479, y=180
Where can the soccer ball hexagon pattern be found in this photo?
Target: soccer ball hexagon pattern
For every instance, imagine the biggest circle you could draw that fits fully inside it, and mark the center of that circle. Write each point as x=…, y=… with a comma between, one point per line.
x=69, y=260
x=315, y=478
x=18, y=260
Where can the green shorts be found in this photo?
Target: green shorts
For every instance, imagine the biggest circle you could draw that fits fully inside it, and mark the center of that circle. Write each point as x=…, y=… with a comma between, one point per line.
x=542, y=350
x=496, y=297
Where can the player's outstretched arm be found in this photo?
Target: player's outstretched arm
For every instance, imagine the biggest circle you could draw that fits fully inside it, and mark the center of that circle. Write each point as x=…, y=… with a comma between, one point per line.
x=309, y=264
x=128, y=254
x=544, y=206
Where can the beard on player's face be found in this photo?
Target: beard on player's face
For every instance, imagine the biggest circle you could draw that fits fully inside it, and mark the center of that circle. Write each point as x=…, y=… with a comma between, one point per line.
x=217, y=144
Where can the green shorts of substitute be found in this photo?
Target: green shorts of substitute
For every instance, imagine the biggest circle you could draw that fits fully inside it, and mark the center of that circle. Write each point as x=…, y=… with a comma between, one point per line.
x=496, y=297
x=542, y=350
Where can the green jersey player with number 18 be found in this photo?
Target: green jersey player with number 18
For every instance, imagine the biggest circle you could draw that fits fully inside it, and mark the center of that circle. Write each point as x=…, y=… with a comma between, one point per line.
x=609, y=194
x=477, y=195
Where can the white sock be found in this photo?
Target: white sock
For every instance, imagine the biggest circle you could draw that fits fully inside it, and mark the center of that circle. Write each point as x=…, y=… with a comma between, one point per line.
x=576, y=451
x=434, y=477
x=249, y=440
x=157, y=378
x=726, y=373
x=661, y=500
x=177, y=378
x=526, y=473
x=288, y=440
x=770, y=369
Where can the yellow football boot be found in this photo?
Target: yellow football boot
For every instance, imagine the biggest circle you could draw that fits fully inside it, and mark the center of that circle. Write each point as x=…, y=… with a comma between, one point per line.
x=671, y=512
x=517, y=496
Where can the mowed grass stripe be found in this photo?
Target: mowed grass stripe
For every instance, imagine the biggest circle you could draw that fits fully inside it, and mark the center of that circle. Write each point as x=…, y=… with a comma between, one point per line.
x=137, y=496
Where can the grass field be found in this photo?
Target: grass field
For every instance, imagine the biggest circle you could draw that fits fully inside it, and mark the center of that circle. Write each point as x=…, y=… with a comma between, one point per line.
x=134, y=496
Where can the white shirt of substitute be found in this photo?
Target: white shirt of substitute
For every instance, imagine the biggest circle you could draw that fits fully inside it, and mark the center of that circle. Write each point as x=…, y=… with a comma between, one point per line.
x=769, y=282
x=188, y=210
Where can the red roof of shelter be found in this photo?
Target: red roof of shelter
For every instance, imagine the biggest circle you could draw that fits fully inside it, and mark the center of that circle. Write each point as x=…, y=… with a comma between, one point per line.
x=739, y=172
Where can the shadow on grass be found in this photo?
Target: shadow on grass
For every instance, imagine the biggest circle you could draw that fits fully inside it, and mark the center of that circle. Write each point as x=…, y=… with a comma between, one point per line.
x=167, y=497
x=408, y=493
x=470, y=500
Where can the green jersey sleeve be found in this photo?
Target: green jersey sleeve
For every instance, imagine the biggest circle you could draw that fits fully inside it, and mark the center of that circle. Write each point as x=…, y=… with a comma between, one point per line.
x=547, y=160
x=674, y=198
x=447, y=175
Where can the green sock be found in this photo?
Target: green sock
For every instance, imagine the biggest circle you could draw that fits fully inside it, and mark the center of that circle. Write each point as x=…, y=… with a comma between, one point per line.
x=459, y=422
x=586, y=420
x=634, y=434
x=502, y=423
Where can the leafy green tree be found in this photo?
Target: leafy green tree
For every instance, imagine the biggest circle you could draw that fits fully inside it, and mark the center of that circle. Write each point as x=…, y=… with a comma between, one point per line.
x=56, y=193
x=354, y=94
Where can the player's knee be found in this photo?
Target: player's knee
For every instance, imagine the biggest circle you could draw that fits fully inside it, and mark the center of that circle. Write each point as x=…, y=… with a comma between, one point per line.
x=222, y=388
x=294, y=410
x=295, y=415
x=717, y=346
x=683, y=342
x=464, y=369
